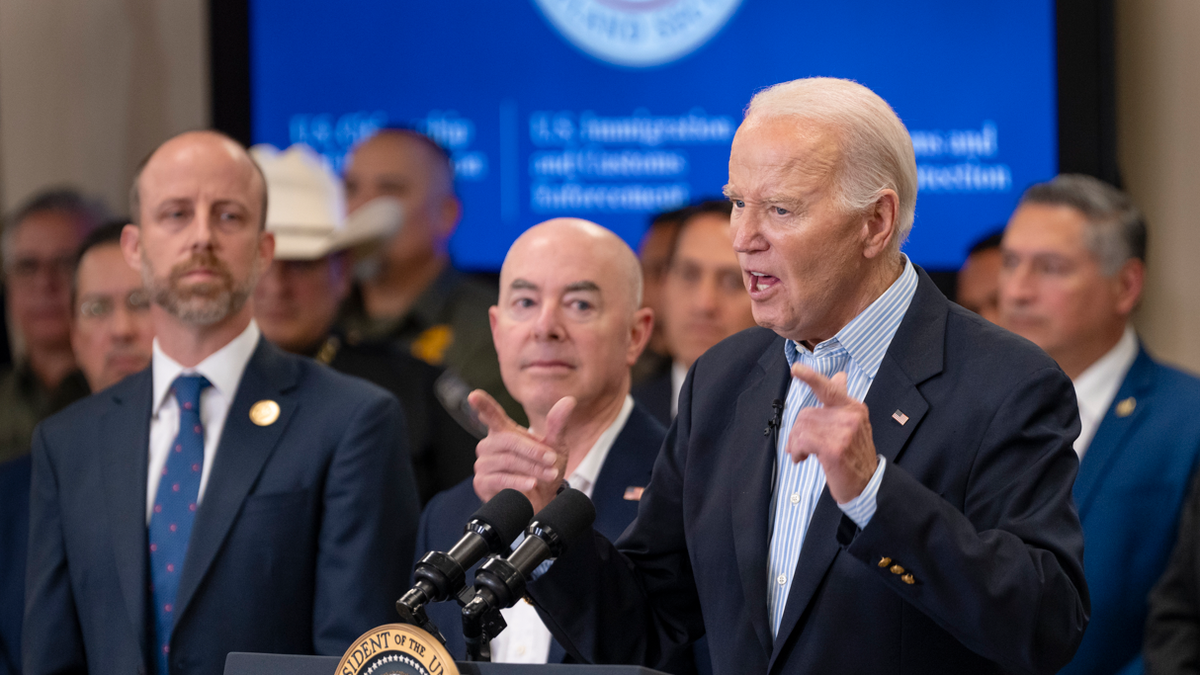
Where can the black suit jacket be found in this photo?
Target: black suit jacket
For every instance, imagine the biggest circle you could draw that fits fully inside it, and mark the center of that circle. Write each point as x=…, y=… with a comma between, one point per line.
x=298, y=545
x=628, y=464
x=442, y=451
x=975, y=503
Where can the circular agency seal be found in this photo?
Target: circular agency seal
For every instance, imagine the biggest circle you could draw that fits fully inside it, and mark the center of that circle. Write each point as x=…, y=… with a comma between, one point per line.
x=396, y=649
x=638, y=33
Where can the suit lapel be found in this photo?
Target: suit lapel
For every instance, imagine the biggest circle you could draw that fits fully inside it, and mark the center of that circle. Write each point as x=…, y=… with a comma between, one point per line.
x=752, y=503
x=915, y=355
x=241, y=454
x=1109, y=439
x=628, y=464
x=124, y=449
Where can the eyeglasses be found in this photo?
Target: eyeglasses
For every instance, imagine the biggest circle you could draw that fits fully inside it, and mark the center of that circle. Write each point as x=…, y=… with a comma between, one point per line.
x=101, y=306
x=25, y=269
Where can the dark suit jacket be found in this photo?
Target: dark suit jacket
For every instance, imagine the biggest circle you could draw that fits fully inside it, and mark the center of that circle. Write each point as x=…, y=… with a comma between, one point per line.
x=628, y=464
x=975, y=503
x=655, y=395
x=298, y=545
x=1172, y=645
x=1130, y=491
x=14, y=541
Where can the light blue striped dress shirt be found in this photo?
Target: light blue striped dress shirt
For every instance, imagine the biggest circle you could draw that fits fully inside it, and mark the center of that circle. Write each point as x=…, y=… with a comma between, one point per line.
x=858, y=349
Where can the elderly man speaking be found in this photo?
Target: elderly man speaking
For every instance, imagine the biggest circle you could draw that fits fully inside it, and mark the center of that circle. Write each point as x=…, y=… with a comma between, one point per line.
x=875, y=480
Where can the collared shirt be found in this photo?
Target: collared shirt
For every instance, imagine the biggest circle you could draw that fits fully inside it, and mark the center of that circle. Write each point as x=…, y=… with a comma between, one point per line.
x=527, y=640
x=858, y=349
x=1097, y=386
x=223, y=369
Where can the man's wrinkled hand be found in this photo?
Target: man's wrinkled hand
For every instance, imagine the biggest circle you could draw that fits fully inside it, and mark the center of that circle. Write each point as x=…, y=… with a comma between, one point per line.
x=838, y=434
x=512, y=456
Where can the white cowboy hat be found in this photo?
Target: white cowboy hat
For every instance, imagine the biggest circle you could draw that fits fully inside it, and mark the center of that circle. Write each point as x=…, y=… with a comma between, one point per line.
x=306, y=206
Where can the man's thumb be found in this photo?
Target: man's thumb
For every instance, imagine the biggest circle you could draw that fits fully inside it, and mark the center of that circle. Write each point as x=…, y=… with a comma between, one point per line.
x=556, y=422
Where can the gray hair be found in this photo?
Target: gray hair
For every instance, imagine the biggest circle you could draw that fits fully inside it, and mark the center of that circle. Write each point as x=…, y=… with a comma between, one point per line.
x=89, y=213
x=876, y=150
x=1116, y=231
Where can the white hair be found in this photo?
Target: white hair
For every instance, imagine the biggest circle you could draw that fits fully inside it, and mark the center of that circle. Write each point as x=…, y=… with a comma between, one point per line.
x=876, y=150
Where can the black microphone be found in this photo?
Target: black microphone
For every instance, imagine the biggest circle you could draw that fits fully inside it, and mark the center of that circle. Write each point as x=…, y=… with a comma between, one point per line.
x=500, y=582
x=440, y=575
x=775, y=422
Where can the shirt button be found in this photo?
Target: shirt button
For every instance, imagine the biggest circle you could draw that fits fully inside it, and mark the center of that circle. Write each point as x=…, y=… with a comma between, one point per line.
x=795, y=497
x=521, y=650
x=781, y=579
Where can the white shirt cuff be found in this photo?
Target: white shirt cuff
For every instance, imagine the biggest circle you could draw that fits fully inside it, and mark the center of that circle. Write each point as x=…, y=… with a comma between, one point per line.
x=861, y=508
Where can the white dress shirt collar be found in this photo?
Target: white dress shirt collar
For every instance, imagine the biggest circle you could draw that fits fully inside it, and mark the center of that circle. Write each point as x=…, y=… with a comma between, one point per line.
x=1096, y=387
x=223, y=368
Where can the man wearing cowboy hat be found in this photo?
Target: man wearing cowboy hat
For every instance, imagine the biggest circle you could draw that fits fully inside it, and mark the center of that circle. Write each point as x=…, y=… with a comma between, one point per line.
x=296, y=304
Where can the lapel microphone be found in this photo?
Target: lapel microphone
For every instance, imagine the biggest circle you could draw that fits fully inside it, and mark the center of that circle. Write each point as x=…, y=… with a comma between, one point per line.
x=775, y=422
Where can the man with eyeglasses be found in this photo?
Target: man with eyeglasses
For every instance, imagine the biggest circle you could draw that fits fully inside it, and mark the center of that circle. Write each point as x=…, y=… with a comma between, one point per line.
x=39, y=244
x=112, y=336
x=111, y=331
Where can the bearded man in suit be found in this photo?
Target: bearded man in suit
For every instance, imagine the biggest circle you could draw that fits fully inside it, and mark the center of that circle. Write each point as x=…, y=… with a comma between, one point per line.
x=229, y=498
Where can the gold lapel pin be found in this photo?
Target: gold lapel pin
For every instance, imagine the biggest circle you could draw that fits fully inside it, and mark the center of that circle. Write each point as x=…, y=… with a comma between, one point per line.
x=1125, y=408
x=264, y=413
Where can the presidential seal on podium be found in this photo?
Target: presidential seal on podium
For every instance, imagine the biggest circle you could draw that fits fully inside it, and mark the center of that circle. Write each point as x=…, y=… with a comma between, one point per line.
x=396, y=649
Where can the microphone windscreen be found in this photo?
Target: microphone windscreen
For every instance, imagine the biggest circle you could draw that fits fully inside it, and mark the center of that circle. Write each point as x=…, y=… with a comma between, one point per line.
x=508, y=513
x=569, y=515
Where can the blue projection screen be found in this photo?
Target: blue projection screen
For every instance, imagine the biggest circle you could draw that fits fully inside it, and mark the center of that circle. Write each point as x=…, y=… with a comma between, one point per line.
x=613, y=110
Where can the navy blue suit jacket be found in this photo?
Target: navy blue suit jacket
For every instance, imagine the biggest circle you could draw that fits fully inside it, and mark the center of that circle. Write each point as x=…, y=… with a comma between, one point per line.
x=975, y=503
x=1130, y=491
x=298, y=545
x=628, y=464
x=14, y=540
x=655, y=395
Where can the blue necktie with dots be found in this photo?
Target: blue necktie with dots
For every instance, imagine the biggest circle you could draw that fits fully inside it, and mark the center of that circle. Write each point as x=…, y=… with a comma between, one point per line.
x=174, y=510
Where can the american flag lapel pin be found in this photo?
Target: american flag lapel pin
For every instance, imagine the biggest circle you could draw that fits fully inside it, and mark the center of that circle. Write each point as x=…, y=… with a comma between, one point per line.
x=634, y=494
x=900, y=417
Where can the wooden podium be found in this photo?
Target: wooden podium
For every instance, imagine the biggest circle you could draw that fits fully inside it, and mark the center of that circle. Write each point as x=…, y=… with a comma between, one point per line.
x=241, y=663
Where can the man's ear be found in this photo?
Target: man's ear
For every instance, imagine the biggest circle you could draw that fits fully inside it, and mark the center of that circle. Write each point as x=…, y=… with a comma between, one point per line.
x=451, y=212
x=493, y=319
x=879, y=226
x=639, y=333
x=266, y=248
x=1130, y=280
x=131, y=246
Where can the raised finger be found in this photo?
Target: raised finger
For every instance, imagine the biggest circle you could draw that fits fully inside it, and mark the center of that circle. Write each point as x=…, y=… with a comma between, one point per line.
x=556, y=422
x=829, y=391
x=490, y=412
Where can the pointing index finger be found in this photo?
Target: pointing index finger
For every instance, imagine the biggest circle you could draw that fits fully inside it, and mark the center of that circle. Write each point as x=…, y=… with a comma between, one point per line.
x=829, y=391
x=490, y=412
